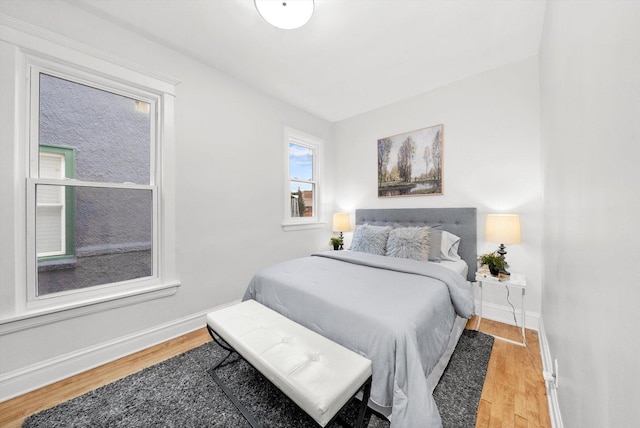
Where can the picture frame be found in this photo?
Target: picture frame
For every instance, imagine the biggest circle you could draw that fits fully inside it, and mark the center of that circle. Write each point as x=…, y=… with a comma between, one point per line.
x=411, y=164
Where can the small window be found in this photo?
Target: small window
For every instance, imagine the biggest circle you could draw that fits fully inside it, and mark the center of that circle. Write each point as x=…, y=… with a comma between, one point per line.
x=302, y=200
x=302, y=180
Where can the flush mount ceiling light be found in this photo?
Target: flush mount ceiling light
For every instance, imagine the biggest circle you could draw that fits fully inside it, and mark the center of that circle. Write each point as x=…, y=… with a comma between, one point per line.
x=285, y=14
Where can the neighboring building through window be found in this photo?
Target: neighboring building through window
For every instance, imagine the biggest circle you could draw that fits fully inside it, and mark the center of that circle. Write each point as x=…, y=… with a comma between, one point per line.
x=94, y=193
x=303, y=178
x=55, y=205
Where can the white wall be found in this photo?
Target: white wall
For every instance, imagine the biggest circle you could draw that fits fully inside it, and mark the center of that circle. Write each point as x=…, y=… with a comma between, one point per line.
x=590, y=63
x=491, y=150
x=229, y=190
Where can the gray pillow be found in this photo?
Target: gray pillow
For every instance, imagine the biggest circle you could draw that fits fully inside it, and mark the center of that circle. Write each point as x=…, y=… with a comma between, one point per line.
x=370, y=239
x=435, y=244
x=409, y=243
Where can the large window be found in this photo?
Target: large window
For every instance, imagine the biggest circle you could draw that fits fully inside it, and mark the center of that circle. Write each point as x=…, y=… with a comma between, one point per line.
x=92, y=200
x=302, y=200
x=87, y=166
x=102, y=221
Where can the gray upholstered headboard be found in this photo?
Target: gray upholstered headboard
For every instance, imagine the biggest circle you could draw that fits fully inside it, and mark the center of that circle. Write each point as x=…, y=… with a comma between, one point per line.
x=459, y=221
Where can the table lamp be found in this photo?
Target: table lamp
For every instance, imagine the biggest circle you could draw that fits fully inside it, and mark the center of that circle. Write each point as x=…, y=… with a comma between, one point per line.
x=341, y=223
x=503, y=229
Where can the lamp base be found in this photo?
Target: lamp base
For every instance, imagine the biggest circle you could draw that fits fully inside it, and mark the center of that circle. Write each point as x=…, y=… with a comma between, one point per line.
x=503, y=252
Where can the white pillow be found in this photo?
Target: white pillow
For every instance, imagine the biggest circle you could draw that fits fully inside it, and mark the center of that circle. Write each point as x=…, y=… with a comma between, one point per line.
x=370, y=239
x=409, y=243
x=449, y=247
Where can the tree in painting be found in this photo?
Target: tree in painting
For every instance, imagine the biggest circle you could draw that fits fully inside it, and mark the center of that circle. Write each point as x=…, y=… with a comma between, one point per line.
x=436, y=154
x=405, y=157
x=427, y=159
x=384, y=148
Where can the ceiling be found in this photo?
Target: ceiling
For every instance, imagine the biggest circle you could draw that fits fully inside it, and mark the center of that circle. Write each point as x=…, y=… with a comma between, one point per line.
x=353, y=55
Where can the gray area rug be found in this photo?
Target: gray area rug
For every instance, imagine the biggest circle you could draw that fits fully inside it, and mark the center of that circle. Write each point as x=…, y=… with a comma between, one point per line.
x=180, y=393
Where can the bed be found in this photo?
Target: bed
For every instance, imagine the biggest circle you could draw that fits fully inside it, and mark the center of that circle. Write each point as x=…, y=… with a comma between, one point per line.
x=403, y=314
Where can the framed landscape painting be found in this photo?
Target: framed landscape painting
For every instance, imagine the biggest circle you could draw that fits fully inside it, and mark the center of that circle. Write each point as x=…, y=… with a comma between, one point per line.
x=410, y=164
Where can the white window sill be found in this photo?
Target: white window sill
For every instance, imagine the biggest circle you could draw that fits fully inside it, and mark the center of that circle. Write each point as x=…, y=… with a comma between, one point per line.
x=288, y=227
x=37, y=317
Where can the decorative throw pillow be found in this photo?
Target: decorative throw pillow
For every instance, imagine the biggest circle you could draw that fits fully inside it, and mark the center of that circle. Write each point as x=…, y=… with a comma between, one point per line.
x=370, y=239
x=409, y=243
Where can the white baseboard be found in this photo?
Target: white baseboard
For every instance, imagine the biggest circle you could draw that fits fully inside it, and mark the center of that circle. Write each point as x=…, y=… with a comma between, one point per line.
x=504, y=314
x=44, y=373
x=547, y=366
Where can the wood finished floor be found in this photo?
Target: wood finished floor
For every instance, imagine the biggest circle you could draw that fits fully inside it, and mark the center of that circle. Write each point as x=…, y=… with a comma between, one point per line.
x=513, y=396
x=514, y=393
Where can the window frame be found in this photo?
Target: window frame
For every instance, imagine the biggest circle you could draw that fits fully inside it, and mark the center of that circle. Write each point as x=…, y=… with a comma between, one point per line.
x=24, y=45
x=36, y=67
x=316, y=145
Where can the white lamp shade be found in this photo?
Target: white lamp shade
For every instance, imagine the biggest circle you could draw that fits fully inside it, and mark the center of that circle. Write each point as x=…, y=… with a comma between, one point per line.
x=285, y=14
x=341, y=222
x=503, y=229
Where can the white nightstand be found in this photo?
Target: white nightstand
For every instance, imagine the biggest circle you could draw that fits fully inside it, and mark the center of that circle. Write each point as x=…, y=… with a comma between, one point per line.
x=516, y=281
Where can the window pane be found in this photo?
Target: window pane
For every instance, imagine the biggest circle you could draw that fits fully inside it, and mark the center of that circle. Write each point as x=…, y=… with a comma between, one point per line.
x=302, y=199
x=300, y=162
x=112, y=233
x=111, y=133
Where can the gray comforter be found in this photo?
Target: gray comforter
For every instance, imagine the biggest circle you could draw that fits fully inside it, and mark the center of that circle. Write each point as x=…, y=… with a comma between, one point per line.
x=399, y=313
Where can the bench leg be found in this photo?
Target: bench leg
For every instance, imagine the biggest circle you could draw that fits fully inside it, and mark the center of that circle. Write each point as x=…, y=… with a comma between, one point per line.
x=234, y=400
x=245, y=412
x=365, y=402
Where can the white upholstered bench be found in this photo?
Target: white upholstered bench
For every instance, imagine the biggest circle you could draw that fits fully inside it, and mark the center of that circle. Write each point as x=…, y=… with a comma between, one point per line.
x=319, y=375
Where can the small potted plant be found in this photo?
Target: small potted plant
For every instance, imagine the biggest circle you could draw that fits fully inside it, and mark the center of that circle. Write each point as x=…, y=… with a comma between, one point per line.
x=494, y=261
x=336, y=242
